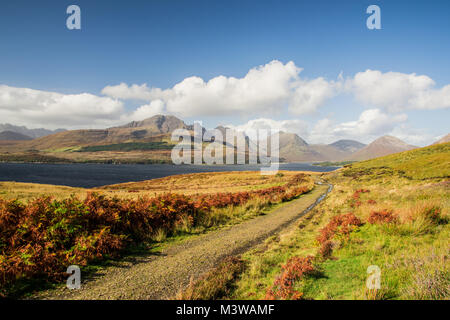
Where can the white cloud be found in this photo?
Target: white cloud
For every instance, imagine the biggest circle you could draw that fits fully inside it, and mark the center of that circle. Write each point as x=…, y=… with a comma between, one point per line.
x=133, y=92
x=273, y=88
x=396, y=91
x=370, y=125
x=308, y=95
x=51, y=109
x=145, y=111
x=371, y=122
x=263, y=90
x=294, y=126
x=416, y=137
x=37, y=108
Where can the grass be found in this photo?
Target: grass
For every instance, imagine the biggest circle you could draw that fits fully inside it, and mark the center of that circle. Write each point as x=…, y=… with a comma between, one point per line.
x=129, y=146
x=333, y=164
x=28, y=191
x=188, y=184
x=32, y=157
x=215, y=284
x=419, y=164
x=412, y=252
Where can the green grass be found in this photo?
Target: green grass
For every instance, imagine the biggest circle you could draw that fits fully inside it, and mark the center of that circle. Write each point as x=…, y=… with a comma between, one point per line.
x=333, y=164
x=412, y=253
x=128, y=146
x=424, y=163
x=31, y=157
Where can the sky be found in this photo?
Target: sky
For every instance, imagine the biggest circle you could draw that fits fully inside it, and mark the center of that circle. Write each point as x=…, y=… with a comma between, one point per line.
x=308, y=67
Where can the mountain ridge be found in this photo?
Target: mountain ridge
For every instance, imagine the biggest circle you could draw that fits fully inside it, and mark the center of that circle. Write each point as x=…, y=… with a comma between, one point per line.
x=292, y=147
x=33, y=133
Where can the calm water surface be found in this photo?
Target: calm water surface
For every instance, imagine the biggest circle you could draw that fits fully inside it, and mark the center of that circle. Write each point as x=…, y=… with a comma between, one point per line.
x=94, y=175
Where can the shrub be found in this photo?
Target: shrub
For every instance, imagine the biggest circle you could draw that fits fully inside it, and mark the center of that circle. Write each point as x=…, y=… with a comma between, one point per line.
x=295, y=269
x=341, y=224
x=326, y=250
x=380, y=217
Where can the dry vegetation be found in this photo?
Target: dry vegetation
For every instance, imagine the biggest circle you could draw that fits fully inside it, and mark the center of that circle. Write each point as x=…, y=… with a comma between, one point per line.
x=187, y=184
x=42, y=236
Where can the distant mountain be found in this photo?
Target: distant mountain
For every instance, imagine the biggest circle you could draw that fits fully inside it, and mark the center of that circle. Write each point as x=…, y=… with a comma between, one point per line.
x=157, y=124
x=33, y=133
x=348, y=145
x=443, y=140
x=292, y=148
x=13, y=136
x=156, y=128
x=381, y=147
x=295, y=149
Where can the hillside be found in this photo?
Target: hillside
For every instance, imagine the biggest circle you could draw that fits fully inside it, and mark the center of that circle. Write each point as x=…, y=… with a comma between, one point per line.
x=159, y=124
x=423, y=163
x=150, y=140
x=391, y=212
x=154, y=129
x=13, y=136
x=381, y=147
x=443, y=140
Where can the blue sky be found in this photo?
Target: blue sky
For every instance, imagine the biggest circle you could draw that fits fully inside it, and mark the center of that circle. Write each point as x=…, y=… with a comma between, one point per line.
x=162, y=42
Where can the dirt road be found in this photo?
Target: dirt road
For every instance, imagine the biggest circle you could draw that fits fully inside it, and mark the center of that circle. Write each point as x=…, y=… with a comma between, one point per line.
x=161, y=276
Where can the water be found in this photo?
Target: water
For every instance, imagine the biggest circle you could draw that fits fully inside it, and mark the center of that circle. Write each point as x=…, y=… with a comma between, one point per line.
x=94, y=175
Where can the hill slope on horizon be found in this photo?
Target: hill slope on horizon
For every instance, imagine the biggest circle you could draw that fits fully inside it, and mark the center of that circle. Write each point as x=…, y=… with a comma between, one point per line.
x=33, y=133
x=381, y=147
x=154, y=129
x=14, y=136
x=421, y=163
x=443, y=140
x=153, y=135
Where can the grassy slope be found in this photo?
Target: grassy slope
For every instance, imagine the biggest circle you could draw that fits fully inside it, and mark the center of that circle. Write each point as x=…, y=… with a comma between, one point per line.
x=418, y=164
x=412, y=254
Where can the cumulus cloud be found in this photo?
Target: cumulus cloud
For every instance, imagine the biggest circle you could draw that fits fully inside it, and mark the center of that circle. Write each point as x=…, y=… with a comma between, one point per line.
x=38, y=108
x=263, y=90
x=371, y=124
x=396, y=91
x=145, y=111
x=51, y=109
x=294, y=126
x=133, y=92
x=273, y=88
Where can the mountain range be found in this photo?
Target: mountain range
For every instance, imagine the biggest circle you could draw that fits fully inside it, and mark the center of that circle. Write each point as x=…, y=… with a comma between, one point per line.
x=27, y=133
x=158, y=129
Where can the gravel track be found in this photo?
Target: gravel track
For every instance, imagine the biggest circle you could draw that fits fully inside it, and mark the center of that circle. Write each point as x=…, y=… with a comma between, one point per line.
x=161, y=276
